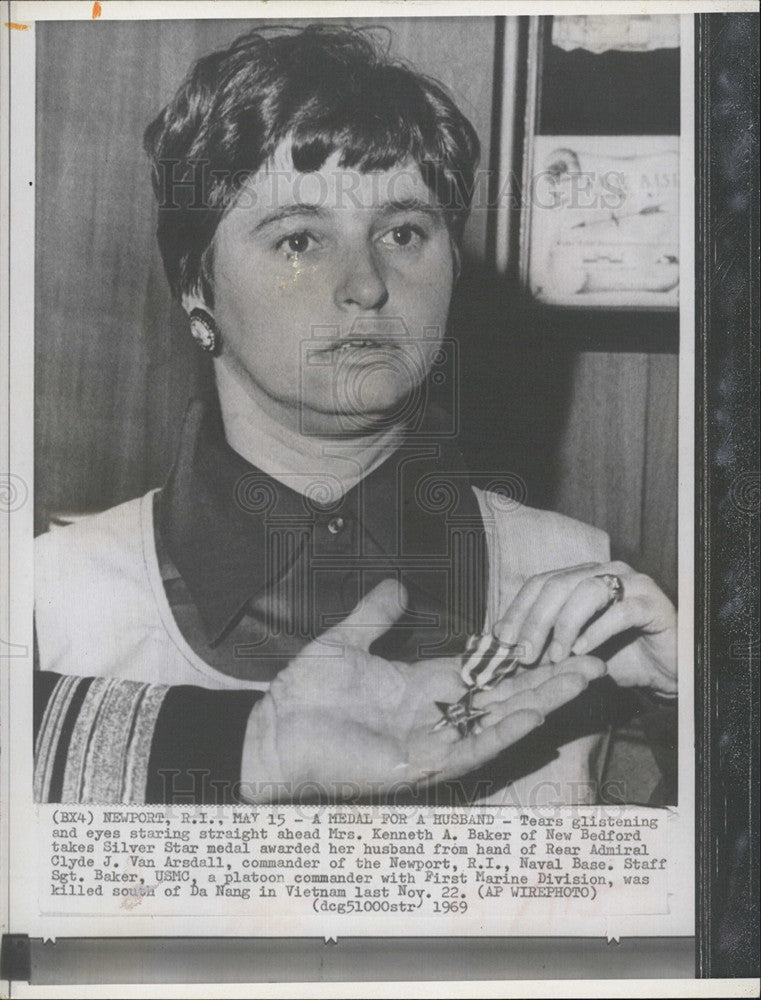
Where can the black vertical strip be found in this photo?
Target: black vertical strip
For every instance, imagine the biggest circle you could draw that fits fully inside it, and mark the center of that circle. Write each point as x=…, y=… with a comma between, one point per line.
x=45, y=683
x=703, y=744
x=64, y=740
x=499, y=187
x=519, y=151
x=495, y=148
x=727, y=495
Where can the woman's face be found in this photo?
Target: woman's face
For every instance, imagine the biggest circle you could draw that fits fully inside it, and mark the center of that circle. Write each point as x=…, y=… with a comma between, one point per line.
x=331, y=292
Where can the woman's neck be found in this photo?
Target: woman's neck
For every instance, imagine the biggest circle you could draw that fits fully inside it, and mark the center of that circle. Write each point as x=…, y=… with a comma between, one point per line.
x=298, y=460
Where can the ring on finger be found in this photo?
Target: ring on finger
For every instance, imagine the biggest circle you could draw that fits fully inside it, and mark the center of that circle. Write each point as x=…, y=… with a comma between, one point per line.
x=615, y=586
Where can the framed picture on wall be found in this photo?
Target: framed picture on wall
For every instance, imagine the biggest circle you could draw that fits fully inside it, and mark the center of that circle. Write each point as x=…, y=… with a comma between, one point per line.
x=604, y=221
x=600, y=212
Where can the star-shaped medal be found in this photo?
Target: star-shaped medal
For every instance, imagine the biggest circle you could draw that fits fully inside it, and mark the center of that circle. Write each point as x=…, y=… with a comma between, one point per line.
x=460, y=714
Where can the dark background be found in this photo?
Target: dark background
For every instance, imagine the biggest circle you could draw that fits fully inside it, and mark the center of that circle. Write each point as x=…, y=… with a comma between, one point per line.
x=727, y=494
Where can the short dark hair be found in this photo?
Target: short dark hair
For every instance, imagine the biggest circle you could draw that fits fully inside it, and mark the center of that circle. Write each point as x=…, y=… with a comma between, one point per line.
x=328, y=88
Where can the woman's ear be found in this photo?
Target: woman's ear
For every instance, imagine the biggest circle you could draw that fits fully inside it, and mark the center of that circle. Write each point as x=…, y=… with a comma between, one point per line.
x=203, y=327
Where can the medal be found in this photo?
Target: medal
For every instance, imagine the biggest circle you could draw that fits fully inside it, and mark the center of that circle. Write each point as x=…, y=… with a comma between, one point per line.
x=487, y=663
x=460, y=714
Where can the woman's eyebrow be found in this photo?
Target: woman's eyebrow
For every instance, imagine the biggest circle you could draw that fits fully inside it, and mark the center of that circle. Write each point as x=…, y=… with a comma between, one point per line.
x=287, y=212
x=317, y=211
x=409, y=205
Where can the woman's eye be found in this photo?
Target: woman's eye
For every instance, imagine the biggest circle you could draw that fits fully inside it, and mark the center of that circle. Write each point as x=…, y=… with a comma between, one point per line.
x=403, y=236
x=296, y=243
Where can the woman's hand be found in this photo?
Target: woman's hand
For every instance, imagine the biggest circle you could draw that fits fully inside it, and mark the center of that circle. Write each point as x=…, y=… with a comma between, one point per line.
x=569, y=612
x=346, y=723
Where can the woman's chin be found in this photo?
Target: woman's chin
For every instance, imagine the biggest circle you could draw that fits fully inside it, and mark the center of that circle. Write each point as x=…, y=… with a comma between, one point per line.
x=380, y=408
x=359, y=402
x=383, y=415
x=380, y=396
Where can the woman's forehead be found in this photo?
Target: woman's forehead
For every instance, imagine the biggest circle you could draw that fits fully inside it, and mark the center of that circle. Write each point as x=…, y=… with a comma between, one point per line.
x=278, y=184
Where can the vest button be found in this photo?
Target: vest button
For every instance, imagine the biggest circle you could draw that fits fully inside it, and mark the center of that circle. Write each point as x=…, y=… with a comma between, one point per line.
x=336, y=525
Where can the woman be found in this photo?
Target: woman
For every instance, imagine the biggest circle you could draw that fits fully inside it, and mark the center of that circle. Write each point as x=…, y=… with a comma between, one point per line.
x=312, y=197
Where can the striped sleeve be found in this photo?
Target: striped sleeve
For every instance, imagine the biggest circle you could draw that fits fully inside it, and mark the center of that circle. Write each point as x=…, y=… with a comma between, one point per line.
x=104, y=740
x=93, y=738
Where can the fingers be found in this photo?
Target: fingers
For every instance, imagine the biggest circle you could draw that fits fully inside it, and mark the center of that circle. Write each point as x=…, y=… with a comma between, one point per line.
x=588, y=667
x=544, y=698
x=559, y=605
x=528, y=620
x=371, y=618
x=552, y=601
x=509, y=721
x=587, y=599
x=508, y=628
x=494, y=739
x=514, y=719
x=466, y=755
x=630, y=613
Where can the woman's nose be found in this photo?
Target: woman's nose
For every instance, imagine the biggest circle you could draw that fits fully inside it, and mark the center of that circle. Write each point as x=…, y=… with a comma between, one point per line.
x=361, y=284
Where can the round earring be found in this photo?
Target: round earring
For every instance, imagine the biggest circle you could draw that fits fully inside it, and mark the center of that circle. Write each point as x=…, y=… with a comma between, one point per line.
x=205, y=331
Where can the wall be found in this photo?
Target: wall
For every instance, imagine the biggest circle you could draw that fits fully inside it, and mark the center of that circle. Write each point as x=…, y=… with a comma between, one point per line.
x=618, y=456
x=592, y=431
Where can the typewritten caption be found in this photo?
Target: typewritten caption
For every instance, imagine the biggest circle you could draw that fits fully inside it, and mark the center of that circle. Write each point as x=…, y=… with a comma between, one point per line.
x=348, y=862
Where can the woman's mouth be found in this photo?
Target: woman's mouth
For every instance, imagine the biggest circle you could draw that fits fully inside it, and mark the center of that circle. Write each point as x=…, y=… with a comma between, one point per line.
x=354, y=344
